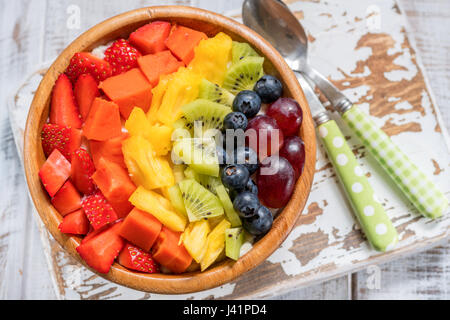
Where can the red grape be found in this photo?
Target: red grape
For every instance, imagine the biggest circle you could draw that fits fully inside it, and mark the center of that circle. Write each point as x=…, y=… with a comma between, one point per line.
x=294, y=151
x=288, y=114
x=276, y=181
x=264, y=136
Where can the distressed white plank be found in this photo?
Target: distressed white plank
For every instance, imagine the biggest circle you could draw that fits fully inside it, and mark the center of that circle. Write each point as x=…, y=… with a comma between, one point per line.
x=21, y=36
x=424, y=275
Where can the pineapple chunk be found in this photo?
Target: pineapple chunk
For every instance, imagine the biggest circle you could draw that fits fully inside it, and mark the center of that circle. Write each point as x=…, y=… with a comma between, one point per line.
x=160, y=136
x=159, y=207
x=181, y=89
x=194, y=239
x=215, y=244
x=145, y=168
x=158, y=95
x=212, y=57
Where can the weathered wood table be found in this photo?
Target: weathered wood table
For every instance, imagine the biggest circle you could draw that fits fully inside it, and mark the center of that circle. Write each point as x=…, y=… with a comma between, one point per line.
x=36, y=31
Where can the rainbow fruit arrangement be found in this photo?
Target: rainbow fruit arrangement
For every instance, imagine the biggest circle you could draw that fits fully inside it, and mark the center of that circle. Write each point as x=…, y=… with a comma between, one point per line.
x=132, y=165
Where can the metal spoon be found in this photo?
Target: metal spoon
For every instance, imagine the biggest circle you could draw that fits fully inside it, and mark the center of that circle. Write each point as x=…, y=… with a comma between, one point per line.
x=275, y=22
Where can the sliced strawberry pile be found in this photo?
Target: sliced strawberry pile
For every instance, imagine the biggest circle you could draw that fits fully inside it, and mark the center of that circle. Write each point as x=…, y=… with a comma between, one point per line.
x=87, y=63
x=137, y=259
x=82, y=171
x=64, y=139
x=64, y=110
x=98, y=210
x=122, y=56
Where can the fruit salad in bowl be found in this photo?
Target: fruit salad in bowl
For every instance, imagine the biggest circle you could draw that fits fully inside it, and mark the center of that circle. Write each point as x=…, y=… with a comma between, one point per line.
x=170, y=150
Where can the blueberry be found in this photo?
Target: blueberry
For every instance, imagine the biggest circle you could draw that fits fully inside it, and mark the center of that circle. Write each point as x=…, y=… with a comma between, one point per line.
x=235, y=120
x=235, y=176
x=247, y=157
x=223, y=156
x=260, y=223
x=250, y=187
x=269, y=89
x=247, y=102
x=246, y=204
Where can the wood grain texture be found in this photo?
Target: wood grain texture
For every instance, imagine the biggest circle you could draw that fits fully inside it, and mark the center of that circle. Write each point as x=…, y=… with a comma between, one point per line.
x=429, y=20
x=211, y=24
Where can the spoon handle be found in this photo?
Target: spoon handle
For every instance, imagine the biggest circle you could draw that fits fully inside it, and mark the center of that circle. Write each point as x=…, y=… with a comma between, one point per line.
x=372, y=217
x=418, y=188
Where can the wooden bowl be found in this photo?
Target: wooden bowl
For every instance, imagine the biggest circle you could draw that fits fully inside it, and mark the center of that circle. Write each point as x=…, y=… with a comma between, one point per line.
x=121, y=26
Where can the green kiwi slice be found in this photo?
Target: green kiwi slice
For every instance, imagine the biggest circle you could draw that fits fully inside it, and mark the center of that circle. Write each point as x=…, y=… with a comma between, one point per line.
x=206, y=115
x=176, y=199
x=234, y=238
x=215, y=186
x=199, y=202
x=211, y=91
x=244, y=74
x=224, y=198
x=198, y=154
x=241, y=50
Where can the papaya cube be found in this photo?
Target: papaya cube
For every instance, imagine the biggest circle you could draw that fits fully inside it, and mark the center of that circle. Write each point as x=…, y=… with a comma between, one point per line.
x=141, y=229
x=110, y=149
x=130, y=89
x=115, y=184
x=103, y=121
x=182, y=42
x=170, y=253
x=150, y=38
x=67, y=199
x=158, y=64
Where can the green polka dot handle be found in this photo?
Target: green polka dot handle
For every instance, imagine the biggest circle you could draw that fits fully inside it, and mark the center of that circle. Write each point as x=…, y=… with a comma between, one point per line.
x=417, y=187
x=373, y=219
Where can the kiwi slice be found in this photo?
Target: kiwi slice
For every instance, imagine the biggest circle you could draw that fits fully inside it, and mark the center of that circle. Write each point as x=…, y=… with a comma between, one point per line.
x=178, y=172
x=241, y=50
x=244, y=74
x=224, y=198
x=199, y=202
x=199, y=154
x=205, y=114
x=234, y=238
x=176, y=199
x=211, y=91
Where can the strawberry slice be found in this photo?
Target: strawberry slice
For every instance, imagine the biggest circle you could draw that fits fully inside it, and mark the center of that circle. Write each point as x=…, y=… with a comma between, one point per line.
x=84, y=62
x=122, y=56
x=67, y=199
x=82, y=171
x=132, y=257
x=100, y=250
x=64, y=109
x=54, y=172
x=98, y=210
x=85, y=90
x=75, y=223
x=65, y=139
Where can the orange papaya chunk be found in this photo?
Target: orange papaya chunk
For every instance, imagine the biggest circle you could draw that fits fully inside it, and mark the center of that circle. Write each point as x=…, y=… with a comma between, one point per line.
x=116, y=185
x=130, y=89
x=103, y=121
x=158, y=64
x=182, y=42
x=150, y=38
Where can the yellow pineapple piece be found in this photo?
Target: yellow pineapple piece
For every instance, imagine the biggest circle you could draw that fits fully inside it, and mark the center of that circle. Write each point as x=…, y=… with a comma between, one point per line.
x=159, y=207
x=212, y=57
x=194, y=239
x=215, y=244
x=144, y=166
x=160, y=136
x=181, y=89
x=158, y=95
